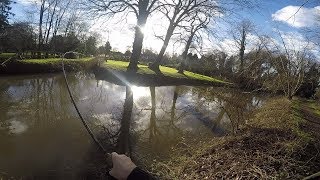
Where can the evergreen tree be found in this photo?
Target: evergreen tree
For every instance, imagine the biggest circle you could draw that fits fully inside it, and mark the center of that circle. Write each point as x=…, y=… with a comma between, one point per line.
x=107, y=48
x=4, y=13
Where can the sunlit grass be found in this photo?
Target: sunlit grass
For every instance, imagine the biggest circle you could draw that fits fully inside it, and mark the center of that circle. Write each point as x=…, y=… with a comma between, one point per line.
x=6, y=55
x=273, y=128
x=312, y=105
x=166, y=71
x=52, y=60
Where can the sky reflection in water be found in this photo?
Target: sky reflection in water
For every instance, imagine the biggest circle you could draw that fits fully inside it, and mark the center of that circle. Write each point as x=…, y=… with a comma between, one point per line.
x=40, y=130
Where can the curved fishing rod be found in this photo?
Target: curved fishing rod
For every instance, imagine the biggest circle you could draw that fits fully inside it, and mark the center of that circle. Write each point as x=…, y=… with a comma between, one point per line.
x=80, y=115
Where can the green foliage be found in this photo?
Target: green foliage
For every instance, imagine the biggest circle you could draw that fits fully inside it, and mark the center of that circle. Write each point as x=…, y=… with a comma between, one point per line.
x=64, y=44
x=90, y=46
x=107, y=47
x=19, y=37
x=4, y=13
x=310, y=83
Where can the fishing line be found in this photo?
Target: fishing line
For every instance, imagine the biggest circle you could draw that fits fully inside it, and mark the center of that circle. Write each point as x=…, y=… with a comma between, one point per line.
x=79, y=113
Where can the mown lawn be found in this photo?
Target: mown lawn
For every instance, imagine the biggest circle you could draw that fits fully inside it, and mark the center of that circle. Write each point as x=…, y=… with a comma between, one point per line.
x=6, y=55
x=166, y=71
x=53, y=60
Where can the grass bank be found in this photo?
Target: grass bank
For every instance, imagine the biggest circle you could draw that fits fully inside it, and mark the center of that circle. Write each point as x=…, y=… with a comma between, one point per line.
x=46, y=65
x=279, y=142
x=116, y=71
x=4, y=56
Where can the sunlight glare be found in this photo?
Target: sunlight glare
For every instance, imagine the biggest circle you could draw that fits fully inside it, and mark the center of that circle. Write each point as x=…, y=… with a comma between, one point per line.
x=143, y=30
x=139, y=92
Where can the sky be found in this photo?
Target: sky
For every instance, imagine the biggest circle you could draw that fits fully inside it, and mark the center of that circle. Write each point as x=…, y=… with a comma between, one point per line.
x=271, y=17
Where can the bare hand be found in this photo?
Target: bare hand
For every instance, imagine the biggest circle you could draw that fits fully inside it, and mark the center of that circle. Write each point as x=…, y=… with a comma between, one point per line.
x=122, y=166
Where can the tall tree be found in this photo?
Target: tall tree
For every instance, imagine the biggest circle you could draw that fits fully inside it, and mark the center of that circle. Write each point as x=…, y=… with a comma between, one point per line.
x=197, y=24
x=60, y=15
x=140, y=8
x=179, y=12
x=51, y=15
x=43, y=8
x=19, y=37
x=91, y=45
x=107, y=48
x=240, y=36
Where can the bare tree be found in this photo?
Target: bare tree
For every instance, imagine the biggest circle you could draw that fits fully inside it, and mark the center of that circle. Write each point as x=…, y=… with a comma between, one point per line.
x=140, y=8
x=43, y=8
x=55, y=14
x=64, y=6
x=289, y=63
x=51, y=14
x=179, y=13
x=240, y=36
x=52, y=8
x=197, y=24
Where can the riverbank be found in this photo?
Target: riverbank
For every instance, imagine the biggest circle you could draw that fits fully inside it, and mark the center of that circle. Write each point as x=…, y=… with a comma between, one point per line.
x=281, y=141
x=115, y=71
x=50, y=65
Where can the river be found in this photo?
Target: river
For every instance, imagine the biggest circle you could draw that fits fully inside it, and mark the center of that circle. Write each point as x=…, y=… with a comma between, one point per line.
x=42, y=136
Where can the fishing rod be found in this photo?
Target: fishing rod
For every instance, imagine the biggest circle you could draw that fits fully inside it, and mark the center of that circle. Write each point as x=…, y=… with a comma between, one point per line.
x=80, y=115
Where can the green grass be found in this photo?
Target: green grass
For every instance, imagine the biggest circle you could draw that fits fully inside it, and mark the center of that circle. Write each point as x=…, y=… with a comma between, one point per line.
x=312, y=105
x=6, y=55
x=52, y=60
x=166, y=71
x=276, y=135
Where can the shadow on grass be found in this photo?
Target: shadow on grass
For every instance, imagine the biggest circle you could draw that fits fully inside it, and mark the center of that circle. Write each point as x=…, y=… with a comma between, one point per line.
x=182, y=73
x=156, y=70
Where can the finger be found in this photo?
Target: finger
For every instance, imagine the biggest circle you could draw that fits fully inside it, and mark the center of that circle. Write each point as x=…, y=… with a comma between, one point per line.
x=111, y=172
x=114, y=155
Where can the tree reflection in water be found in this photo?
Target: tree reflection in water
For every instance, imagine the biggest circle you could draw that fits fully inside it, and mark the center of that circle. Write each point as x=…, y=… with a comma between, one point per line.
x=146, y=123
x=123, y=139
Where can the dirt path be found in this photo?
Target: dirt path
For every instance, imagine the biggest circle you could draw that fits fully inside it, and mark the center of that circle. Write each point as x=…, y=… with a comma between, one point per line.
x=313, y=119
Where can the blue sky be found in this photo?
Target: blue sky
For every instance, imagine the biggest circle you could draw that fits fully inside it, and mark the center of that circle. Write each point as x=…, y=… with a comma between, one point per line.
x=271, y=14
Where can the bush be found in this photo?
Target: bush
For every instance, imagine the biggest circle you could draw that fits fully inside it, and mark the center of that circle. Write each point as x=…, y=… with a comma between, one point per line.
x=71, y=55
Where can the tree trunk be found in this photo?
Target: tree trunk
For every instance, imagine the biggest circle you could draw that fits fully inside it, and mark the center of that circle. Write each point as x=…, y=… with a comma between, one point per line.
x=138, y=37
x=155, y=66
x=185, y=53
x=242, y=49
x=51, y=22
x=40, y=28
x=153, y=126
x=173, y=107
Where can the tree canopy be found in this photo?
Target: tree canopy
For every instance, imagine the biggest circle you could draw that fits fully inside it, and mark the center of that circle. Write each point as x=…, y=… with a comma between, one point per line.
x=5, y=13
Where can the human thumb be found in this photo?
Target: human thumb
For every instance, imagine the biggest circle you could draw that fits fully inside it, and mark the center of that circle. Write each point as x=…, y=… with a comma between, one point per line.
x=111, y=172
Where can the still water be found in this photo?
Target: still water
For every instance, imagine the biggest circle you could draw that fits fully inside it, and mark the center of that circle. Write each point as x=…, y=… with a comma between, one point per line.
x=41, y=134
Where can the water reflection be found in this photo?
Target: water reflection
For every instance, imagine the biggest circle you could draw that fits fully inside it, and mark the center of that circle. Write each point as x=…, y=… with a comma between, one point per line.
x=40, y=131
x=123, y=139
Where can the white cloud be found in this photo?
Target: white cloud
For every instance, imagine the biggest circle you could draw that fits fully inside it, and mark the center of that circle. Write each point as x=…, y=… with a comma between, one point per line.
x=294, y=42
x=229, y=45
x=26, y=2
x=304, y=17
